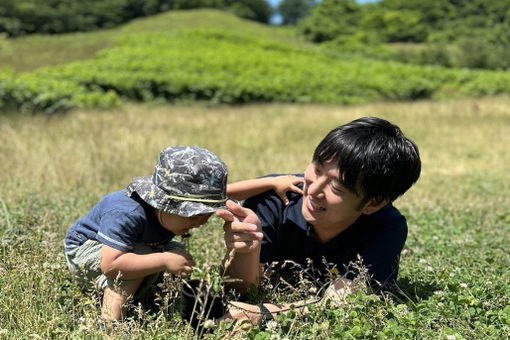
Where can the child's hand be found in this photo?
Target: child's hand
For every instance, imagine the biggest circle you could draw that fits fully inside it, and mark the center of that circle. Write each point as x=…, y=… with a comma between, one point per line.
x=179, y=263
x=283, y=184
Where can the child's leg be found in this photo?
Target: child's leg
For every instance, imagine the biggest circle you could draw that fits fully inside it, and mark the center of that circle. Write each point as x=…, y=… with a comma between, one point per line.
x=117, y=294
x=116, y=298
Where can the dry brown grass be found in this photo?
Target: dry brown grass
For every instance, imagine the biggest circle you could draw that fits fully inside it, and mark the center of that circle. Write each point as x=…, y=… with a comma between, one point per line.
x=463, y=145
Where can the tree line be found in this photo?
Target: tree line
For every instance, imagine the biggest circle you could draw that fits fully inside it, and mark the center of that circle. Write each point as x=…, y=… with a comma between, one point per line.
x=452, y=33
x=20, y=17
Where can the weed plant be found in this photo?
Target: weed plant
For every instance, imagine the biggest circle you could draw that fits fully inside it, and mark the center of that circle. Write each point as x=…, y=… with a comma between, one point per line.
x=453, y=281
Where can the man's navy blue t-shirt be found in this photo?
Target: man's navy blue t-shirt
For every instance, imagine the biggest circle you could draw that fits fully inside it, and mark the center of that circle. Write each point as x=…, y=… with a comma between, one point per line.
x=377, y=238
x=120, y=222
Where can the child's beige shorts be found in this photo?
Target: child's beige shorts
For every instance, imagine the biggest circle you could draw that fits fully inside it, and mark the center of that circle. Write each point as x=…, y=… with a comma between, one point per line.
x=84, y=263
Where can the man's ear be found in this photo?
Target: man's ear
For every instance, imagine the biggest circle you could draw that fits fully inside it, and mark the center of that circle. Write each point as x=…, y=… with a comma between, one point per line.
x=374, y=205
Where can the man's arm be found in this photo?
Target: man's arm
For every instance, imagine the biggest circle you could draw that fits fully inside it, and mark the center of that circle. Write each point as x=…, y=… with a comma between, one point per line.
x=243, y=237
x=335, y=294
x=251, y=187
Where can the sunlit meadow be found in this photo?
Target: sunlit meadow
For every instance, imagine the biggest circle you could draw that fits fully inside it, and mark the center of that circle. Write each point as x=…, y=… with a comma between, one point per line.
x=454, y=281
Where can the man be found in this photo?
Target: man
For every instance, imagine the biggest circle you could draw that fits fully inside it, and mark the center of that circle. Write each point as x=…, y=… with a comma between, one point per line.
x=344, y=214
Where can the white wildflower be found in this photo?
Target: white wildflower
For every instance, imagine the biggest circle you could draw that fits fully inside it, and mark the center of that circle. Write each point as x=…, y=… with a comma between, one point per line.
x=271, y=326
x=3, y=331
x=209, y=324
x=451, y=337
x=463, y=285
x=83, y=327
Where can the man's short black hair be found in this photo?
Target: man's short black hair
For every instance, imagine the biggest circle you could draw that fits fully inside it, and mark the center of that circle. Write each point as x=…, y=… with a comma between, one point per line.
x=374, y=158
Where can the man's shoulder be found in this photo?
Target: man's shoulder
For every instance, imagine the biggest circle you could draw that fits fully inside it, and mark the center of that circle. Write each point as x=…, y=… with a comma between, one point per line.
x=388, y=212
x=388, y=220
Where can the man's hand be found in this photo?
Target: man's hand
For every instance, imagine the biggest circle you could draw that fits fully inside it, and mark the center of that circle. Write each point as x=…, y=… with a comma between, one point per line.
x=242, y=228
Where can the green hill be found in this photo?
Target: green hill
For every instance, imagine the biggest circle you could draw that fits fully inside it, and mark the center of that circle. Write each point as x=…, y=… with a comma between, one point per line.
x=31, y=52
x=211, y=56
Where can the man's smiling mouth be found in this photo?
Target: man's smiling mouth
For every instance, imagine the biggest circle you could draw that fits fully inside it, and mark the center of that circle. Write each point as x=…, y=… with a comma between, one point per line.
x=313, y=206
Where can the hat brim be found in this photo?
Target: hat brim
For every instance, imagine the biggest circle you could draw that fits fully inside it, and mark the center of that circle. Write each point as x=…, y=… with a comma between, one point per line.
x=158, y=199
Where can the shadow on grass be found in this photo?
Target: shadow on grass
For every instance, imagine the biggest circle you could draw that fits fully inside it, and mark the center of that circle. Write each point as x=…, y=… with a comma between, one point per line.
x=414, y=291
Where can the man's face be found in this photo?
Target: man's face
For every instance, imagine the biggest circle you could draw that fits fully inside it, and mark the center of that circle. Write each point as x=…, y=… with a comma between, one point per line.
x=327, y=204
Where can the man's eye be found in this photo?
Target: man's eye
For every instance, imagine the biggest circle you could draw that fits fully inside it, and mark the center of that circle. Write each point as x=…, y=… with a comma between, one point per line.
x=337, y=189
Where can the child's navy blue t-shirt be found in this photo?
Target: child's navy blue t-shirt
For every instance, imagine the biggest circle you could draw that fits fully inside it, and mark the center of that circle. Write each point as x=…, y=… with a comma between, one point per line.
x=378, y=239
x=119, y=221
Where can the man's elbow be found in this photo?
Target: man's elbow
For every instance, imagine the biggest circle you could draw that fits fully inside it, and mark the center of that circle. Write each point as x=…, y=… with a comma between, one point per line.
x=245, y=286
x=338, y=291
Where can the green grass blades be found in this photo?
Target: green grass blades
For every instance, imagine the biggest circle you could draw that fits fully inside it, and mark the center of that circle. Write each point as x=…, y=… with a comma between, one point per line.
x=453, y=281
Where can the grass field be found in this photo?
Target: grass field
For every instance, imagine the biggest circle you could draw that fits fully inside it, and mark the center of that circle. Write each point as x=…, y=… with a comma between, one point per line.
x=454, y=281
x=454, y=269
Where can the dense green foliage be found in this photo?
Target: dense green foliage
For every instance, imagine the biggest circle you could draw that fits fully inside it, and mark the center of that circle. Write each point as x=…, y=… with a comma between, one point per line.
x=294, y=10
x=331, y=18
x=258, y=10
x=406, y=20
x=473, y=33
x=18, y=17
x=223, y=67
x=32, y=93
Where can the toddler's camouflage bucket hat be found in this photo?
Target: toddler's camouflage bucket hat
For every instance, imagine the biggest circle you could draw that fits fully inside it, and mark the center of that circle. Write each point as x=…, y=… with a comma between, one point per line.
x=187, y=181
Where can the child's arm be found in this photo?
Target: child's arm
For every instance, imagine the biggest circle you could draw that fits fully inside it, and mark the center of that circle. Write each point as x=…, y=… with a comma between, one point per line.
x=251, y=187
x=134, y=266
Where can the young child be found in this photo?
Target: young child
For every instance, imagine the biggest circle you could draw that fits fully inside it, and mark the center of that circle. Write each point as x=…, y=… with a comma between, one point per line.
x=125, y=241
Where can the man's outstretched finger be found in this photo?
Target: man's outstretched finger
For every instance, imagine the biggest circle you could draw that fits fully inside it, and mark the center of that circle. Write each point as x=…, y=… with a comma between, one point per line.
x=240, y=245
x=244, y=237
x=225, y=215
x=237, y=209
x=240, y=227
